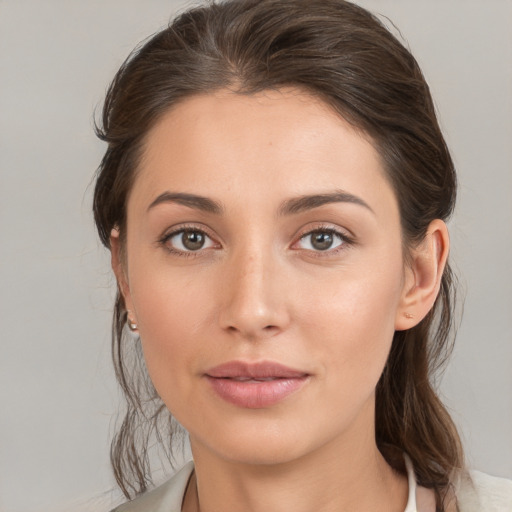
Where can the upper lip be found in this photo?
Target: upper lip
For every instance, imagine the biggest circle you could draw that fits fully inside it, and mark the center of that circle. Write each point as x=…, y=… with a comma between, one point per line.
x=259, y=370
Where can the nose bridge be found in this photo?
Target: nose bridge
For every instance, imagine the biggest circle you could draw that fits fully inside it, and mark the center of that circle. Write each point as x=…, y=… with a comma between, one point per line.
x=253, y=305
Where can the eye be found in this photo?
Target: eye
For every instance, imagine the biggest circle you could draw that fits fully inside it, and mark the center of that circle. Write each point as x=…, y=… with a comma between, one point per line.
x=188, y=240
x=321, y=240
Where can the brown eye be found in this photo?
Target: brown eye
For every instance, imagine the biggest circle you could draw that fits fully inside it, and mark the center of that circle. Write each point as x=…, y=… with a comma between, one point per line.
x=322, y=240
x=189, y=240
x=192, y=240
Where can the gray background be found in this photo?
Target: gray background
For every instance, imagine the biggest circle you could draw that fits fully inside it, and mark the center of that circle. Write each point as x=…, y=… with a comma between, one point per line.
x=57, y=394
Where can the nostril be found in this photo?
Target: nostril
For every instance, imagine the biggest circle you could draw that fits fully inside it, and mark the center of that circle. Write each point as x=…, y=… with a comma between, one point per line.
x=251, y=333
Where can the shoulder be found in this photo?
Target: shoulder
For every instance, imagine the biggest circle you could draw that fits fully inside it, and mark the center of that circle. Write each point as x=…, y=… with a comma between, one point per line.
x=479, y=492
x=164, y=498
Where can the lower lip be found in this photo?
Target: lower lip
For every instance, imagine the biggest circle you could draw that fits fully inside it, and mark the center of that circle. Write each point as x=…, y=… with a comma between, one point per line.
x=253, y=394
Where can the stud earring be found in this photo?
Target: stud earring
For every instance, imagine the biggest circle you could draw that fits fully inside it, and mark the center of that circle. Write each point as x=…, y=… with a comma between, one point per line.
x=131, y=323
x=408, y=315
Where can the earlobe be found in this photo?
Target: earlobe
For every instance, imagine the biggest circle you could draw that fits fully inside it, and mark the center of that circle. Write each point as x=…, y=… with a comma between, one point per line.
x=423, y=276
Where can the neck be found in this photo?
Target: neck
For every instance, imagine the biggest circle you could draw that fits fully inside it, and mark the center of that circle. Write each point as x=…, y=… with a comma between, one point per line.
x=338, y=477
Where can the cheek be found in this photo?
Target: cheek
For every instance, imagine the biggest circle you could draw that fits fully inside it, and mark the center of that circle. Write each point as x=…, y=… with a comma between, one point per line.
x=352, y=327
x=171, y=313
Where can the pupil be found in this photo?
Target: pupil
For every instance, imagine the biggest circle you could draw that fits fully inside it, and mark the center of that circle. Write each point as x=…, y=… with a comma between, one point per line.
x=193, y=240
x=322, y=241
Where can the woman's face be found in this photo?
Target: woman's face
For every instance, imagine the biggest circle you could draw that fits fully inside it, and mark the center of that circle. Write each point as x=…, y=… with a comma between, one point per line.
x=264, y=270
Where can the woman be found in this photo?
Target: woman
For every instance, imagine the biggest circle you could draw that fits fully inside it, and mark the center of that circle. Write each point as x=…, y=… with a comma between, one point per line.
x=274, y=195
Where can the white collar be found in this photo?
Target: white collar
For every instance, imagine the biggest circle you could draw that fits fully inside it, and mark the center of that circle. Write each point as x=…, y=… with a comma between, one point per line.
x=420, y=498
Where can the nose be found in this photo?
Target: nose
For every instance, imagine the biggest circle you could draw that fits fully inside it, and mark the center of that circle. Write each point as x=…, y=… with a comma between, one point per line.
x=254, y=304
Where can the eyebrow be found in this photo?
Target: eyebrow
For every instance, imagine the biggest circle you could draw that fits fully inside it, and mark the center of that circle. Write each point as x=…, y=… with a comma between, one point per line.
x=308, y=202
x=191, y=200
x=288, y=207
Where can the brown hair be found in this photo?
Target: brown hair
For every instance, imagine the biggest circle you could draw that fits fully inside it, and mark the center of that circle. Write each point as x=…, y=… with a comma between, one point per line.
x=345, y=56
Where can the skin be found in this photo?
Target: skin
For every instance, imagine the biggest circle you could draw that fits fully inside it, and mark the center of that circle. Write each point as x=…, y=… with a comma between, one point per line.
x=260, y=290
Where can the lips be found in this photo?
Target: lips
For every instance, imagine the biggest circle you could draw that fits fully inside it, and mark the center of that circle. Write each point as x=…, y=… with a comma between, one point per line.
x=255, y=385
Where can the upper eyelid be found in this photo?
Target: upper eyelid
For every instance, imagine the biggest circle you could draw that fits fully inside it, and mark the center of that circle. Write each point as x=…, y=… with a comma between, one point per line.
x=320, y=229
x=170, y=232
x=343, y=232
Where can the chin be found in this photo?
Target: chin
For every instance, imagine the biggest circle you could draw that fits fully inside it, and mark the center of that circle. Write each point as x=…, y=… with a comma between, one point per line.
x=260, y=453
x=258, y=442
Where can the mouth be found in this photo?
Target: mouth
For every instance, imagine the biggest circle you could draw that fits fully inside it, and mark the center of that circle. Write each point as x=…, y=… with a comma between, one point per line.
x=255, y=385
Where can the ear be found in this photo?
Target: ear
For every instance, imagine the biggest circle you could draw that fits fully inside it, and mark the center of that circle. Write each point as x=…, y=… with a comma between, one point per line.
x=119, y=268
x=423, y=276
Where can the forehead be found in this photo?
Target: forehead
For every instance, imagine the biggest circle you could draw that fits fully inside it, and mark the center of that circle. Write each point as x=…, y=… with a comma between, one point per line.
x=274, y=143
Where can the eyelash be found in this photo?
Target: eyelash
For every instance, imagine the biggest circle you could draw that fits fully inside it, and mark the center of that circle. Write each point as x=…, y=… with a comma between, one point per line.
x=346, y=241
